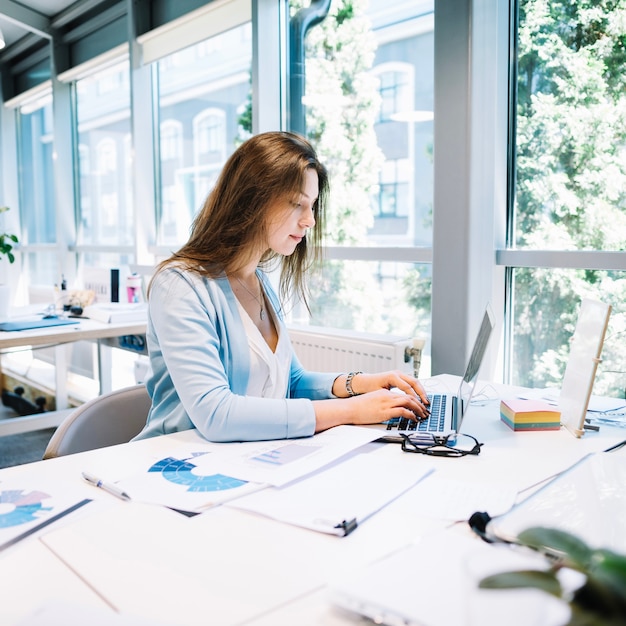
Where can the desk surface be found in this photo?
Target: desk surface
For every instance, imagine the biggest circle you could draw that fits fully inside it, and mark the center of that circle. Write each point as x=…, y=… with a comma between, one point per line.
x=59, y=336
x=247, y=568
x=84, y=330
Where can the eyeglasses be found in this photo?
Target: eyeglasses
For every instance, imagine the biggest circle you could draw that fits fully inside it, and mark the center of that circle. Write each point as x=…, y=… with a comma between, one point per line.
x=440, y=446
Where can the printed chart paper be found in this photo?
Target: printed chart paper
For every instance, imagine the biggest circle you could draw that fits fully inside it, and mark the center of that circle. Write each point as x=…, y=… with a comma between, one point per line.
x=28, y=504
x=280, y=462
x=348, y=492
x=176, y=481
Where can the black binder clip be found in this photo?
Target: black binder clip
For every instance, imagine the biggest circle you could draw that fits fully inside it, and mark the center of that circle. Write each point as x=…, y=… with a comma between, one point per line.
x=348, y=526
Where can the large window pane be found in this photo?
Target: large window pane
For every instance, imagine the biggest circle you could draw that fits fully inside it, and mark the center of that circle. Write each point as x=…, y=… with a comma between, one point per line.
x=546, y=307
x=42, y=267
x=369, y=112
x=104, y=158
x=202, y=93
x=376, y=297
x=570, y=189
x=36, y=173
x=571, y=126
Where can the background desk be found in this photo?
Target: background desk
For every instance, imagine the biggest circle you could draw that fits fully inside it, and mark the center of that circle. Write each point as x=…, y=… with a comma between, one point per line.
x=105, y=335
x=249, y=569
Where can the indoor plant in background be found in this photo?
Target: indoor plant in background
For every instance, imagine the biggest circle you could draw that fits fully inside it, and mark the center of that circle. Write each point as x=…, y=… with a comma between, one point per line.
x=599, y=601
x=7, y=242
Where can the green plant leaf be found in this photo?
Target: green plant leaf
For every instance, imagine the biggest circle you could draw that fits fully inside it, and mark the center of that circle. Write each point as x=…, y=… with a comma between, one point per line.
x=575, y=552
x=611, y=566
x=605, y=590
x=535, y=579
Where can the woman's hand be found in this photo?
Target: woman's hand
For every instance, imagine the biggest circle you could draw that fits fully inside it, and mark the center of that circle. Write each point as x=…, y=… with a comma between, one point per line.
x=385, y=404
x=364, y=383
x=380, y=397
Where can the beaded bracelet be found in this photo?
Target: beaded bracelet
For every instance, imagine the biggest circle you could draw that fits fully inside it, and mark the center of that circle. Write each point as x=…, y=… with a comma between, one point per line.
x=349, y=389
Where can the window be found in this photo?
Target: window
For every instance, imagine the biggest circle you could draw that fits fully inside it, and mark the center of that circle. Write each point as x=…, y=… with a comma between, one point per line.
x=209, y=136
x=395, y=91
x=370, y=109
x=37, y=195
x=36, y=165
x=171, y=141
x=369, y=112
x=106, y=210
x=201, y=90
x=392, y=200
x=570, y=182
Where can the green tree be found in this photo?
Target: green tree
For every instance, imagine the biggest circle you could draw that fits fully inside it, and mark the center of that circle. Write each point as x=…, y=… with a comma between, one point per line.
x=342, y=101
x=571, y=171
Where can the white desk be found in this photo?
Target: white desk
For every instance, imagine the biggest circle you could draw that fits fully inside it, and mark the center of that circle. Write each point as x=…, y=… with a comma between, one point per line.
x=250, y=569
x=59, y=337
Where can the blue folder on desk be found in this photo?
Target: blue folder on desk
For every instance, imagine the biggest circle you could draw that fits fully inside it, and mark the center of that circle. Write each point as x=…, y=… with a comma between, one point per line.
x=40, y=322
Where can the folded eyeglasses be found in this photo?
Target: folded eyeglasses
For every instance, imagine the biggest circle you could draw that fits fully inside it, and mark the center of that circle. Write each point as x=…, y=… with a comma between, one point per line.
x=442, y=445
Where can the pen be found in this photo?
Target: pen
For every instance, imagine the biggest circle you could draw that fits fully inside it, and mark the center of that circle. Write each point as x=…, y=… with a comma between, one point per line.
x=112, y=489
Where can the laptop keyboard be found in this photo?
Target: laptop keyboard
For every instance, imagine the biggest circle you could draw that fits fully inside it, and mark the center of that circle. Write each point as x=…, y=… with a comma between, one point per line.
x=434, y=422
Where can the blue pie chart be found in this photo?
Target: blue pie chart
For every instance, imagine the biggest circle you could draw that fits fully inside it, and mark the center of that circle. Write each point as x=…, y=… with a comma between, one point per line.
x=180, y=472
x=18, y=507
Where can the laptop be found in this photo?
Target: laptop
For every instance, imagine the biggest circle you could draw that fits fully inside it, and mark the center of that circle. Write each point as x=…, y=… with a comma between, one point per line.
x=587, y=499
x=40, y=322
x=447, y=410
x=444, y=568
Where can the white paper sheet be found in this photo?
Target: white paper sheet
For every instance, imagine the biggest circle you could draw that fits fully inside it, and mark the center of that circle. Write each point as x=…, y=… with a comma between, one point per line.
x=30, y=503
x=332, y=499
x=457, y=500
x=201, y=475
x=62, y=612
x=178, y=482
x=150, y=561
x=280, y=462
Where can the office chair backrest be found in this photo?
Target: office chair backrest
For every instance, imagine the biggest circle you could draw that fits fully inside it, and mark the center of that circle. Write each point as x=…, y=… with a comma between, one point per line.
x=104, y=421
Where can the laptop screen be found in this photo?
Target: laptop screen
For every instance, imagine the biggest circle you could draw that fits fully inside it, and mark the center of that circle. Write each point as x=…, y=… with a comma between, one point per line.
x=466, y=388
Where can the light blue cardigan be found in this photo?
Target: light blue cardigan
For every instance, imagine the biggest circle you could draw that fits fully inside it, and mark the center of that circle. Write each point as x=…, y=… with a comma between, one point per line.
x=200, y=362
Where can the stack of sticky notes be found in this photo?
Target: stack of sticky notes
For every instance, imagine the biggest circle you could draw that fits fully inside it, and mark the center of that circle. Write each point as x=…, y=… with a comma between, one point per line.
x=525, y=414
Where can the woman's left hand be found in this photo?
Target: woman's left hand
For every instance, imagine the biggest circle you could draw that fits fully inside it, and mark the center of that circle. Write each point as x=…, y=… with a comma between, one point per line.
x=364, y=383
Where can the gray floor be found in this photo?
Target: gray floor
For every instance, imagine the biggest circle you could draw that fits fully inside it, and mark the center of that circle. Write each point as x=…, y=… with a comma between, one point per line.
x=22, y=448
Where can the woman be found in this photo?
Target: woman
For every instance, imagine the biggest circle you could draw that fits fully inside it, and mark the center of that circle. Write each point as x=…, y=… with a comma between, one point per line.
x=220, y=353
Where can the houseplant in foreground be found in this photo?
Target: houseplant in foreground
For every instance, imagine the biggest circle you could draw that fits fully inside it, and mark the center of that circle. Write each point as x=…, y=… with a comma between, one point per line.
x=599, y=601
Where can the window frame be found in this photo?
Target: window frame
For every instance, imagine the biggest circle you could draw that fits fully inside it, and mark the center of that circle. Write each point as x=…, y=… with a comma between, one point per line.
x=471, y=255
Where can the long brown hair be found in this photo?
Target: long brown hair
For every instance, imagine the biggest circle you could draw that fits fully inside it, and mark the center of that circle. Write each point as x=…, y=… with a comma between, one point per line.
x=266, y=168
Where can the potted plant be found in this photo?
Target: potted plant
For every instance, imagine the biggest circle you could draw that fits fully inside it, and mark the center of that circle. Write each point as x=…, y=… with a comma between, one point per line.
x=599, y=601
x=7, y=241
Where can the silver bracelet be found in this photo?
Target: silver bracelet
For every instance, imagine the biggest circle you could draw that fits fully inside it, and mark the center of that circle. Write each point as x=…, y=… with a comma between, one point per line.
x=349, y=389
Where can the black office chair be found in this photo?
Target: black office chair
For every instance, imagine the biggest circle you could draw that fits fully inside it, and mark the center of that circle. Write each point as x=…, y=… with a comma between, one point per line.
x=107, y=420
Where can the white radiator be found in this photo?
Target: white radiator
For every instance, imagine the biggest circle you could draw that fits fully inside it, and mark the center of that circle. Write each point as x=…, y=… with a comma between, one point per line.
x=327, y=350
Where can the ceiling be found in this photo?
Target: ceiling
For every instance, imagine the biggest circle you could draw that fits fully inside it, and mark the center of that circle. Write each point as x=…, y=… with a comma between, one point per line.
x=18, y=19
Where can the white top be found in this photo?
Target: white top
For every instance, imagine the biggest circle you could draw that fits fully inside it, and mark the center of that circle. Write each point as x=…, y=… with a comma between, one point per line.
x=269, y=371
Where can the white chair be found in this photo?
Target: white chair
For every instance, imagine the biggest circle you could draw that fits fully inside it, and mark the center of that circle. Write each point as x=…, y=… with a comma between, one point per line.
x=104, y=421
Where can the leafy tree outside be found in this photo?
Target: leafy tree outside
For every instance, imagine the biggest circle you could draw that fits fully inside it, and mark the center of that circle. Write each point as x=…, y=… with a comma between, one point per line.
x=570, y=178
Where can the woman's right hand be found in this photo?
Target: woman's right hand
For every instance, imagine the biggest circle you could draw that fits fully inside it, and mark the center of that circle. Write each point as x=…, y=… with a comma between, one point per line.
x=384, y=404
x=368, y=408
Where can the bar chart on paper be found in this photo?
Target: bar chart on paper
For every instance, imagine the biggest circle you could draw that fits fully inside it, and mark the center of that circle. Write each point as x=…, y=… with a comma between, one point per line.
x=285, y=454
